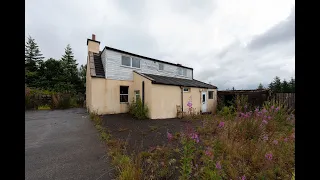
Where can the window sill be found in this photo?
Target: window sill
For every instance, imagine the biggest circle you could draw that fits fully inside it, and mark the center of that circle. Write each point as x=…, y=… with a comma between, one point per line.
x=124, y=102
x=129, y=67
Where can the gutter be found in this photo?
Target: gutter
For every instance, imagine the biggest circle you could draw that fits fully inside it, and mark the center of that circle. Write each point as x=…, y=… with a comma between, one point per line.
x=181, y=100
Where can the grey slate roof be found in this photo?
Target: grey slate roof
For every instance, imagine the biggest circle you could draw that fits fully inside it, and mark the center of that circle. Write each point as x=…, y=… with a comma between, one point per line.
x=156, y=79
x=98, y=65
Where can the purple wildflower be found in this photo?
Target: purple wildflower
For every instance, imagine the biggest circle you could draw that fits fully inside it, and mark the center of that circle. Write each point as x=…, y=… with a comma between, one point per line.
x=285, y=139
x=265, y=138
x=265, y=122
x=218, y=165
x=268, y=156
x=256, y=110
x=189, y=104
x=169, y=136
x=272, y=107
x=242, y=177
x=277, y=109
x=264, y=110
x=275, y=142
x=269, y=117
x=221, y=124
x=195, y=137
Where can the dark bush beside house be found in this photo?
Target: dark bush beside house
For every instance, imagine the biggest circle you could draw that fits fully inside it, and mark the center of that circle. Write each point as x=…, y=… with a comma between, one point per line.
x=138, y=110
x=35, y=98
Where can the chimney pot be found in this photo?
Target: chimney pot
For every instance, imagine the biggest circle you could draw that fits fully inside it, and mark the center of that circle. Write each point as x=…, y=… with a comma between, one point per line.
x=93, y=37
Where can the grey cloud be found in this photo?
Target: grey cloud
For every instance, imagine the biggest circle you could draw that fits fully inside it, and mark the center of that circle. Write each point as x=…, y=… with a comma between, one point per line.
x=281, y=32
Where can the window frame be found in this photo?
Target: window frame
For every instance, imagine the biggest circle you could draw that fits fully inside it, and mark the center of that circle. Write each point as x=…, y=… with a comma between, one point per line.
x=209, y=94
x=124, y=95
x=131, y=61
x=186, y=88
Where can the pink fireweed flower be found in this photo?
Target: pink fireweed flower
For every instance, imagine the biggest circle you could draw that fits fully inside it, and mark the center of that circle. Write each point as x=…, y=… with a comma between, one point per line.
x=277, y=109
x=265, y=138
x=269, y=117
x=264, y=110
x=285, y=139
x=265, y=122
x=169, y=136
x=195, y=137
x=272, y=107
x=256, y=110
x=221, y=124
x=268, y=156
x=242, y=177
x=275, y=142
x=218, y=165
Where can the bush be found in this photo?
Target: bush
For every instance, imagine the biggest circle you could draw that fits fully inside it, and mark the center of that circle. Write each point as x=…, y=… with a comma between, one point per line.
x=137, y=110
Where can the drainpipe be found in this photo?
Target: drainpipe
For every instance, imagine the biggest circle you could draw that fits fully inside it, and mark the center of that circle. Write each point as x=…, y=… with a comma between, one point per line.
x=181, y=100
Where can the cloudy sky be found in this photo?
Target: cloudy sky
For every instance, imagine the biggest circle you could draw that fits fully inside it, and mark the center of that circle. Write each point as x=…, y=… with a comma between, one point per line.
x=229, y=43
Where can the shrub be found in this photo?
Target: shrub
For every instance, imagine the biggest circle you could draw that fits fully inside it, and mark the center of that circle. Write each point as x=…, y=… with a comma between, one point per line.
x=137, y=110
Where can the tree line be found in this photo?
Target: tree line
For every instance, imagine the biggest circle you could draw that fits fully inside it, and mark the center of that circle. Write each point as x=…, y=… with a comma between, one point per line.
x=279, y=86
x=58, y=75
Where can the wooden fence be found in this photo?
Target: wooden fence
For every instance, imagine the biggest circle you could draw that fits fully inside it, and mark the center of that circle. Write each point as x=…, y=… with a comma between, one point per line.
x=288, y=99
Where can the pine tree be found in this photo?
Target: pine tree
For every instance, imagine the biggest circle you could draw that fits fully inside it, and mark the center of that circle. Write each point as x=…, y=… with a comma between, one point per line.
x=285, y=87
x=70, y=70
x=292, y=85
x=260, y=86
x=275, y=86
x=33, y=56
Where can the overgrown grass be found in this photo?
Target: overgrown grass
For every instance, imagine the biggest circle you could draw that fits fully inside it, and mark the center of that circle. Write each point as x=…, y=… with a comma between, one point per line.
x=127, y=168
x=237, y=143
x=44, y=107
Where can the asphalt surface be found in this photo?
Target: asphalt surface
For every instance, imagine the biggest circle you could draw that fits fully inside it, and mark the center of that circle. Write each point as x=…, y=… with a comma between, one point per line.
x=63, y=144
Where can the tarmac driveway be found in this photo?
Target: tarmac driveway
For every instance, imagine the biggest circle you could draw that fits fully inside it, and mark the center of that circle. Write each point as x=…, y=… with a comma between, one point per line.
x=63, y=144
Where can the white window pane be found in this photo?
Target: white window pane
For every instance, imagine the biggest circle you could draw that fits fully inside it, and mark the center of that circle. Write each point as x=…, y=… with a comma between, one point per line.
x=125, y=60
x=136, y=62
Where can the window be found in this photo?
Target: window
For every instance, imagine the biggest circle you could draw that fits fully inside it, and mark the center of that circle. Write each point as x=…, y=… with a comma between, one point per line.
x=130, y=61
x=160, y=66
x=210, y=94
x=135, y=62
x=124, y=94
x=137, y=94
x=180, y=71
x=125, y=60
x=185, y=89
x=185, y=72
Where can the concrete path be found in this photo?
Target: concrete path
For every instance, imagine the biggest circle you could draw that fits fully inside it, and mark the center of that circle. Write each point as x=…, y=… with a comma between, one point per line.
x=63, y=144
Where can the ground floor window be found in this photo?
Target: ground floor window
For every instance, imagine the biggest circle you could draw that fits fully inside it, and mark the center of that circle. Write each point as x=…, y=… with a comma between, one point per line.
x=210, y=94
x=137, y=94
x=124, y=93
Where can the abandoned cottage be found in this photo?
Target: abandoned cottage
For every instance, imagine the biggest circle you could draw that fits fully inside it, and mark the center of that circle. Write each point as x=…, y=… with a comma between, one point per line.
x=115, y=78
